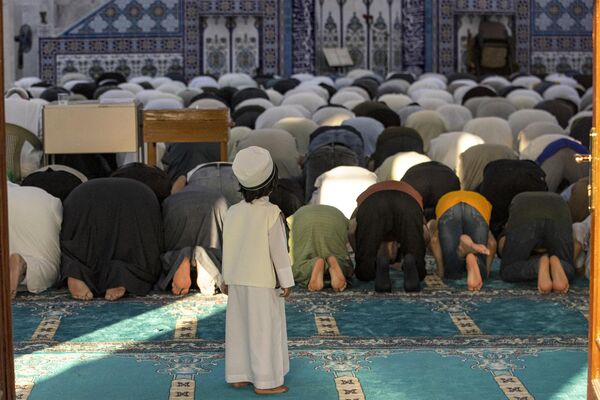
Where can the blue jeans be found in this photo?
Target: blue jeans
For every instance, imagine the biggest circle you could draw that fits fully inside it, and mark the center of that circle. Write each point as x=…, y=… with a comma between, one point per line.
x=518, y=265
x=456, y=221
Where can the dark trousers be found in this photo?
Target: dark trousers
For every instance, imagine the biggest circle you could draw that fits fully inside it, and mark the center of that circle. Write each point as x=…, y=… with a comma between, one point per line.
x=518, y=265
x=456, y=221
x=388, y=216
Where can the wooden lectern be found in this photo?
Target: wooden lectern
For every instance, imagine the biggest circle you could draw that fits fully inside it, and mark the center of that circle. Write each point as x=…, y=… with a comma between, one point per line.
x=187, y=125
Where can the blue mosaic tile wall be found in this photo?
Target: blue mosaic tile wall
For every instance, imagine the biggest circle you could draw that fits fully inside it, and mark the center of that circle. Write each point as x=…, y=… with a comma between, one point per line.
x=160, y=36
x=132, y=18
x=550, y=35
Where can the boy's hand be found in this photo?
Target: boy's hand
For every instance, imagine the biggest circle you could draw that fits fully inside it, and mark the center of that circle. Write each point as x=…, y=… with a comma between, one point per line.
x=224, y=289
x=285, y=292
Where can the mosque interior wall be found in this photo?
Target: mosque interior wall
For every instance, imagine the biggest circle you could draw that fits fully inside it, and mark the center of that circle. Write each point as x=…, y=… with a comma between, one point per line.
x=286, y=36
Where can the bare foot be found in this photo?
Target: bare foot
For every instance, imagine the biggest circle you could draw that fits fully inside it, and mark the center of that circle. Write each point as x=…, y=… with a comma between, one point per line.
x=79, y=290
x=544, y=278
x=182, y=280
x=474, y=281
x=560, y=282
x=467, y=246
x=17, y=268
x=338, y=280
x=277, y=390
x=316, y=277
x=239, y=385
x=115, y=293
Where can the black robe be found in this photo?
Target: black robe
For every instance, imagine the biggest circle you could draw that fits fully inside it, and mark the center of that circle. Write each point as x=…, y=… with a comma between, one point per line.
x=112, y=236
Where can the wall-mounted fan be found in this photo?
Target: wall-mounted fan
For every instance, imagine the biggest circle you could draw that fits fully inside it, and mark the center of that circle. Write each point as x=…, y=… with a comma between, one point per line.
x=24, y=40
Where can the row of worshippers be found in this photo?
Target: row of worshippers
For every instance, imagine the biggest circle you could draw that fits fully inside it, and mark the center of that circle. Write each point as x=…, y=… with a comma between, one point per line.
x=448, y=114
x=376, y=139
x=133, y=232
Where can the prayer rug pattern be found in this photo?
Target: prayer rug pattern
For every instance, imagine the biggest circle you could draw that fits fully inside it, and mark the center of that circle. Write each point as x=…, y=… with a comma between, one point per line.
x=506, y=342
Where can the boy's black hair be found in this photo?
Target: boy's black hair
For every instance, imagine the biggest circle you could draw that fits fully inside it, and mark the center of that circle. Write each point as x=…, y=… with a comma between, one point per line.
x=251, y=195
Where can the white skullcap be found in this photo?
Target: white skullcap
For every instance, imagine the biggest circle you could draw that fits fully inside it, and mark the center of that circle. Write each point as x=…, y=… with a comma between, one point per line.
x=253, y=167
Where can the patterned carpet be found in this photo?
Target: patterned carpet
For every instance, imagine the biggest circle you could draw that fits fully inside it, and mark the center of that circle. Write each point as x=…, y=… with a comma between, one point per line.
x=444, y=343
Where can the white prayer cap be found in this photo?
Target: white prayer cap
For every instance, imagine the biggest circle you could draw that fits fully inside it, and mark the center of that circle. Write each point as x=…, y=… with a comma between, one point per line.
x=253, y=167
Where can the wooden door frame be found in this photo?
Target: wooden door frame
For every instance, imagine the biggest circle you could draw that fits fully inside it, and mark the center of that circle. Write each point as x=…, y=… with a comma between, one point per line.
x=594, y=310
x=7, y=372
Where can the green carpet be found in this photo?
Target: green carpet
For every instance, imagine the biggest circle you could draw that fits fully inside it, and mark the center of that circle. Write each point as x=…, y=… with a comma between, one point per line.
x=443, y=343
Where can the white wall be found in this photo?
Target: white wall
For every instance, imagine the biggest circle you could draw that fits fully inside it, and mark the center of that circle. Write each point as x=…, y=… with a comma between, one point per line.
x=60, y=15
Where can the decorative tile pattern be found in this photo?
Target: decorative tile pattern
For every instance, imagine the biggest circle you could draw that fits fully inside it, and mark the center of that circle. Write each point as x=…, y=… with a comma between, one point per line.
x=131, y=18
x=543, y=25
x=564, y=61
x=150, y=64
x=449, y=10
x=137, y=29
x=378, y=34
x=412, y=36
x=562, y=17
x=303, y=35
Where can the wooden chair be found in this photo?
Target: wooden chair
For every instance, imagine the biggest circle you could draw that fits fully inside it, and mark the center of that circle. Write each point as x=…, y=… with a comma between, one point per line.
x=186, y=125
x=16, y=137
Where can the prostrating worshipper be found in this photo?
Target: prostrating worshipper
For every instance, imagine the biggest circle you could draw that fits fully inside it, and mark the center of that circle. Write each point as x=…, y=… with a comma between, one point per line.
x=323, y=159
x=520, y=119
x=300, y=128
x=581, y=240
x=395, y=166
x=538, y=242
x=448, y=147
x=193, y=226
x=555, y=154
x=369, y=128
x=455, y=116
x=180, y=158
x=429, y=124
x=432, y=180
x=318, y=247
x=472, y=162
x=492, y=130
x=578, y=199
x=395, y=140
x=535, y=130
x=282, y=147
x=57, y=180
x=153, y=177
x=339, y=187
x=461, y=239
x=34, y=221
x=389, y=218
x=258, y=276
x=495, y=107
x=215, y=177
x=379, y=111
x=193, y=223
x=503, y=180
x=25, y=113
x=111, y=239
